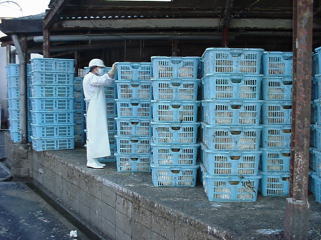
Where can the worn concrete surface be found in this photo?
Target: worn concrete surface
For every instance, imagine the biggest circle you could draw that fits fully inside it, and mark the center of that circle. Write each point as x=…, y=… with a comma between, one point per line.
x=131, y=208
x=26, y=216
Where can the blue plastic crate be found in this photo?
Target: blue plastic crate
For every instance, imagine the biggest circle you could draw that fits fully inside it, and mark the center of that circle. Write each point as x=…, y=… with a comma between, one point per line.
x=276, y=160
x=14, y=103
x=317, y=61
x=232, y=137
x=79, y=117
x=111, y=108
x=112, y=137
x=277, y=63
x=166, y=68
x=174, y=154
x=134, y=109
x=316, y=137
x=110, y=159
x=239, y=163
x=14, y=124
x=15, y=136
x=14, y=114
x=133, y=163
x=316, y=185
x=232, y=86
x=226, y=112
x=134, y=71
x=175, y=111
x=175, y=90
x=276, y=136
x=13, y=82
x=133, y=145
x=275, y=184
x=133, y=127
x=53, y=65
x=315, y=161
x=232, y=60
x=174, y=176
x=52, y=104
x=112, y=126
x=129, y=90
x=230, y=188
x=48, y=131
x=46, y=144
x=170, y=133
x=79, y=105
x=13, y=70
x=111, y=92
x=316, y=111
x=52, y=91
x=13, y=92
x=48, y=78
x=277, y=88
x=277, y=112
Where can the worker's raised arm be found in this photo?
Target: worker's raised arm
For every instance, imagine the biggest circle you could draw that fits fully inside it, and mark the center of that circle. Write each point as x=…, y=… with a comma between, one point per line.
x=103, y=80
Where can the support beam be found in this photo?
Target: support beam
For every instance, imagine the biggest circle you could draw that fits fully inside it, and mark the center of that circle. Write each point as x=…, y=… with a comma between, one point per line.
x=297, y=208
x=52, y=13
x=226, y=21
x=46, y=43
x=21, y=47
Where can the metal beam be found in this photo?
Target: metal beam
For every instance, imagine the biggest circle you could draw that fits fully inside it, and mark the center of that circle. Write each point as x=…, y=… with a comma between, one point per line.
x=226, y=21
x=297, y=207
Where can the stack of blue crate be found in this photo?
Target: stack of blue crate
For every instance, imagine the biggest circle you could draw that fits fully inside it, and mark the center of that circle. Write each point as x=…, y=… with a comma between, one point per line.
x=231, y=124
x=175, y=126
x=134, y=93
x=79, y=112
x=276, y=118
x=29, y=107
x=52, y=104
x=315, y=156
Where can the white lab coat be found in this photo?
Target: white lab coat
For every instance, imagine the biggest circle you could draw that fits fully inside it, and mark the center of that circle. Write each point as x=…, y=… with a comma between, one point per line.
x=97, y=130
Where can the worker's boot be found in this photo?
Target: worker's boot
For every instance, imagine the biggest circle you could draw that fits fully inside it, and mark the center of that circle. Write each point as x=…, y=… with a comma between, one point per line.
x=93, y=163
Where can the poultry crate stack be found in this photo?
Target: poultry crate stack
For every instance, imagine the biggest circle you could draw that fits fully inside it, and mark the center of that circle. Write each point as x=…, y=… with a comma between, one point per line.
x=231, y=130
x=13, y=79
x=52, y=102
x=175, y=121
x=79, y=112
x=276, y=119
x=134, y=93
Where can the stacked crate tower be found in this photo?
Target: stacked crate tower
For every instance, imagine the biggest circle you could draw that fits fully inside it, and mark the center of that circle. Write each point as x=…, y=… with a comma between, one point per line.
x=175, y=126
x=231, y=124
x=276, y=119
x=315, y=156
x=79, y=112
x=134, y=92
x=52, y=104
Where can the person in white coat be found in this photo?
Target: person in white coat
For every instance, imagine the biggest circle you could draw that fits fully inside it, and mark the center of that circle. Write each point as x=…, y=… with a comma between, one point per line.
x=97, y=130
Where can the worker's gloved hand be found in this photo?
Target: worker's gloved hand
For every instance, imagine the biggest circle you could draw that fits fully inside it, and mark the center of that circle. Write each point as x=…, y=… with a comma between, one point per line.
x=113, y=69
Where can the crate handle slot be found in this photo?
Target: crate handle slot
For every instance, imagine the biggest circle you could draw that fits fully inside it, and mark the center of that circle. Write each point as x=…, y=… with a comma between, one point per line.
x=287, y=107
x=134, y=159
x=135, y=66
x=134, y=104
x=134, y=123
x=175, y=171
x=176, y=128
x=236, y=53
x=236, y=106
x=134, y=85
x=236, y=132
x=236, y=80
x=176, y=106
x=176, y=61
x=176, y=149
x=287, y=130
x=176, y=84
x=285, y=178
x=287, y=57
x=287, y=82
x=134, y=141
x=286, y=154
x=234, y=182
x=235, y=157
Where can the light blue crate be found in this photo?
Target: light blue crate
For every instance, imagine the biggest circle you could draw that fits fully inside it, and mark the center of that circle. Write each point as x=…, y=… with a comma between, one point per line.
x=226, y=112
x=277, y=88
x=52, y=104
x=232, y=86
x=316, y=137
x=112, y=137
x=140, y=90
x=174, y=176
x=79, y=117
x=316, y=186
x=133, y=127
x=47, y=144
x=110, y=159
x=276, y=136
x=133, y=163
x=14, y=125
x=315, y=161
x=15, y=136
x=166, y=68
x=277, y=63
x=276, y=160
x=133, y=145
x=52, y=118
x=171, y=133
x=79, y=105
x=275, y=184
x=134, y=71
x=134, y=109
x=175, y=90
x=53, y=65
x=13, y=92
x=111, y=108
x=240, y=138
x=230, y=188
x=175, y=111
x=316, y=61
x=48, y=78
x=111, y=122
x=13, y=70
x=277, y=112
x=52, y=91
x=48, y=131
x=232, y=60
x=239, y=163
x=14, y=114
x=111, y=92
x=13, y=82
x=316, y=111
x=174, y=154
x=14, y=104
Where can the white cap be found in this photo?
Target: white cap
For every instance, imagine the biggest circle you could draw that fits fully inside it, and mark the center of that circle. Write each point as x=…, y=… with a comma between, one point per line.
x=96, y=63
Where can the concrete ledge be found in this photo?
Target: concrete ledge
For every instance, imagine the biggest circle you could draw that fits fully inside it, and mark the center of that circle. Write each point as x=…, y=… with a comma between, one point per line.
x=127, y=206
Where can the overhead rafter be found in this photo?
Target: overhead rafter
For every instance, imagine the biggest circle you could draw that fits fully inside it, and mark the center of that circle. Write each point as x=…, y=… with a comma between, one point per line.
x=52, y=13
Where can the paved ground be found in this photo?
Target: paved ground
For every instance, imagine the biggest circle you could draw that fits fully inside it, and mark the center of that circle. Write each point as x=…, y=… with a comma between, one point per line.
x=26, y=216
